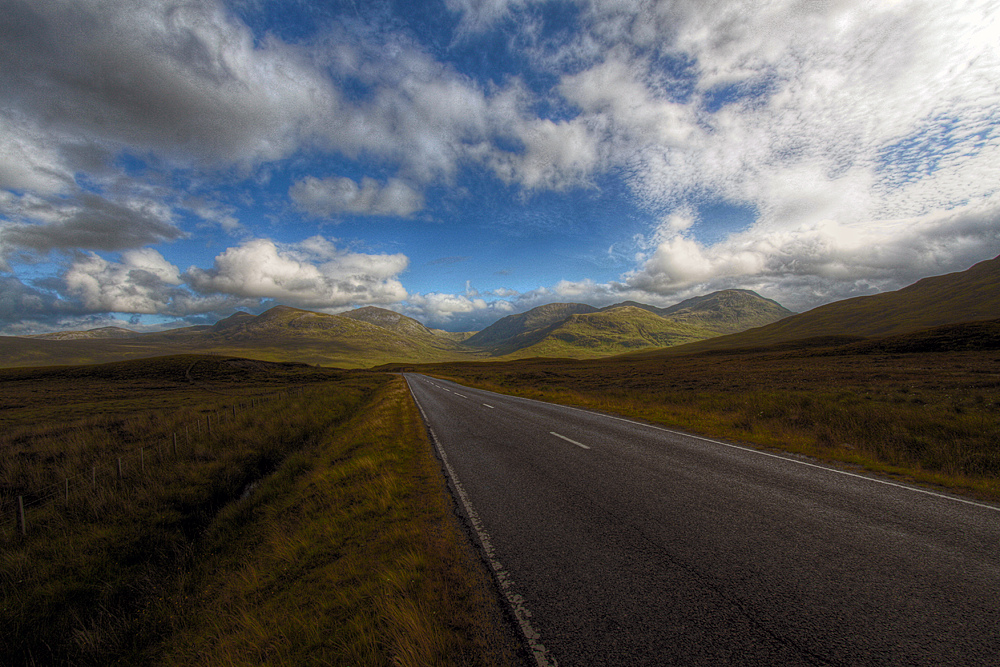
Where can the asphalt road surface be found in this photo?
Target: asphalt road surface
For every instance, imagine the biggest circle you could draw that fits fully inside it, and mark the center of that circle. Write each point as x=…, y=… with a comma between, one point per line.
x=619, y=543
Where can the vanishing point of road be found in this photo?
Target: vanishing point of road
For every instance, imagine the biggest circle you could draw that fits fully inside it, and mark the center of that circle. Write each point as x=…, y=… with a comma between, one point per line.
x=621, y=543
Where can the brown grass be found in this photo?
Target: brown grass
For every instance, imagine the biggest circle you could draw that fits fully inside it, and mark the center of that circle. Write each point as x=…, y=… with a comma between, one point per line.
x=354, y=550
x=310, y=527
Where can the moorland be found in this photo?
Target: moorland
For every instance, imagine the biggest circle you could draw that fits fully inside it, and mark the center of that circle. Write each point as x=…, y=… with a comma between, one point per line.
x=250, y=506
x=210, y=510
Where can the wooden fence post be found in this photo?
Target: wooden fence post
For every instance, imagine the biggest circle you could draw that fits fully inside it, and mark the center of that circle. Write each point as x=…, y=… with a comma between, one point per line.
x=120, y=474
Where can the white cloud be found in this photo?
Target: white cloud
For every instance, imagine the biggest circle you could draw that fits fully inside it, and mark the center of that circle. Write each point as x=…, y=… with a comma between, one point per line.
x=143, y=282
x=822, y=260
x=478, y=15
x=182, y=78
x=455, y=311
x=864, y=135
x=83, y=221
x=556, y=155
x=323, y=198
x=311, y=274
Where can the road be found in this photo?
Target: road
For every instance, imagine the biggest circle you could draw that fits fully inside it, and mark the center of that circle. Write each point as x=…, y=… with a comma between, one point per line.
x=620, y=543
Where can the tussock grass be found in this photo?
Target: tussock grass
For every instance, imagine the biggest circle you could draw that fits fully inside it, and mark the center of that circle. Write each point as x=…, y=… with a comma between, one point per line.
x=223, y=554
x=81, y=586
x=347, y=555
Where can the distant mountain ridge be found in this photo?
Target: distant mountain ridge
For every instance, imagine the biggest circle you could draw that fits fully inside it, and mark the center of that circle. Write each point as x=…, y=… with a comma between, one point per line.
x=100, y=332
x=966, y=296
x=369, y=336
x=510, y=327
x=582, y=331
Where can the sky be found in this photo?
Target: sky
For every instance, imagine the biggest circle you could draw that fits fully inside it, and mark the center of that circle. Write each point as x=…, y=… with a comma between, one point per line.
x=165, y=163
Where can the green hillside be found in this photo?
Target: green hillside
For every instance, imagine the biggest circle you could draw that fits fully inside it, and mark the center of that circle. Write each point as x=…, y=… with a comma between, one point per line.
x=279, y=334
x=965, y=296
x=391, y=320
x=503, y=331
x=728, y=311
x=371, y=336
x=616, y=331
x=100, y=332
x=627, y=326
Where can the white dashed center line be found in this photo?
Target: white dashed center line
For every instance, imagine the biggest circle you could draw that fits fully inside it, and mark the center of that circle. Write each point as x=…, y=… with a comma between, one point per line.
x=488, y=406
x=578, y=444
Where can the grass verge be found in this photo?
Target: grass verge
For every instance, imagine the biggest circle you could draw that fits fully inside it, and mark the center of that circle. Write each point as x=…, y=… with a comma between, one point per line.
x=347, y=555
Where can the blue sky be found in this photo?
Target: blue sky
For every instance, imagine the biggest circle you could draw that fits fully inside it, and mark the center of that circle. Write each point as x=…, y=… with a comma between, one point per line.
x=166, y=163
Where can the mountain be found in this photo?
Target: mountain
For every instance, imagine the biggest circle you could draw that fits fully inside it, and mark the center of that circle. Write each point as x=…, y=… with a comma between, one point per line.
x=964, y=296
x=501, y=332
x=370, y=336
x=581, y=331
x=728, y=311
x=616, y=331
x=391, y=320
x=279, y=334
x=100, y=332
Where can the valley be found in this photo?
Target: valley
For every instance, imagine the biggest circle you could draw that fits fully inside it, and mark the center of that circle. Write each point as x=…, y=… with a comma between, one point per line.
x=180, y=564
x=371, y=336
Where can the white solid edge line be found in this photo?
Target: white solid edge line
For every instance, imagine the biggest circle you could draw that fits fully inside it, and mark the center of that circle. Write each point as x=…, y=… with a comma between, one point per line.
x=578, y=444
x=514, y=600
x=762, y=453
x=803, y=463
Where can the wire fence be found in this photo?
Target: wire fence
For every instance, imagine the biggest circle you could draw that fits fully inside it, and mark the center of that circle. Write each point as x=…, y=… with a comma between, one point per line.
x=110, y=471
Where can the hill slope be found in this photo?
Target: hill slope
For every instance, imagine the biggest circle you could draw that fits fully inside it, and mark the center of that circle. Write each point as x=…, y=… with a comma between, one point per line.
x=965, y=296
x=504, y=330
x=581, y=332
x=728, y=311
x=370, y=336
x=100, y=332
x=391, y=320
x=279, y=334
x=616, y=331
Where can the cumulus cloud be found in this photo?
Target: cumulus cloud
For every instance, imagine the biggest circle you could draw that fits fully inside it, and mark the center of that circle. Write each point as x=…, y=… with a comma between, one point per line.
x=819, y=261
x=425, y=115
x=86, y=221
x=863, y=135
x=326, y=197
x=23, y=302
x=182, y=78
x=189, y=82
x=143, y=282
x=311, y=274
x=455, y=311
x=556, y=156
